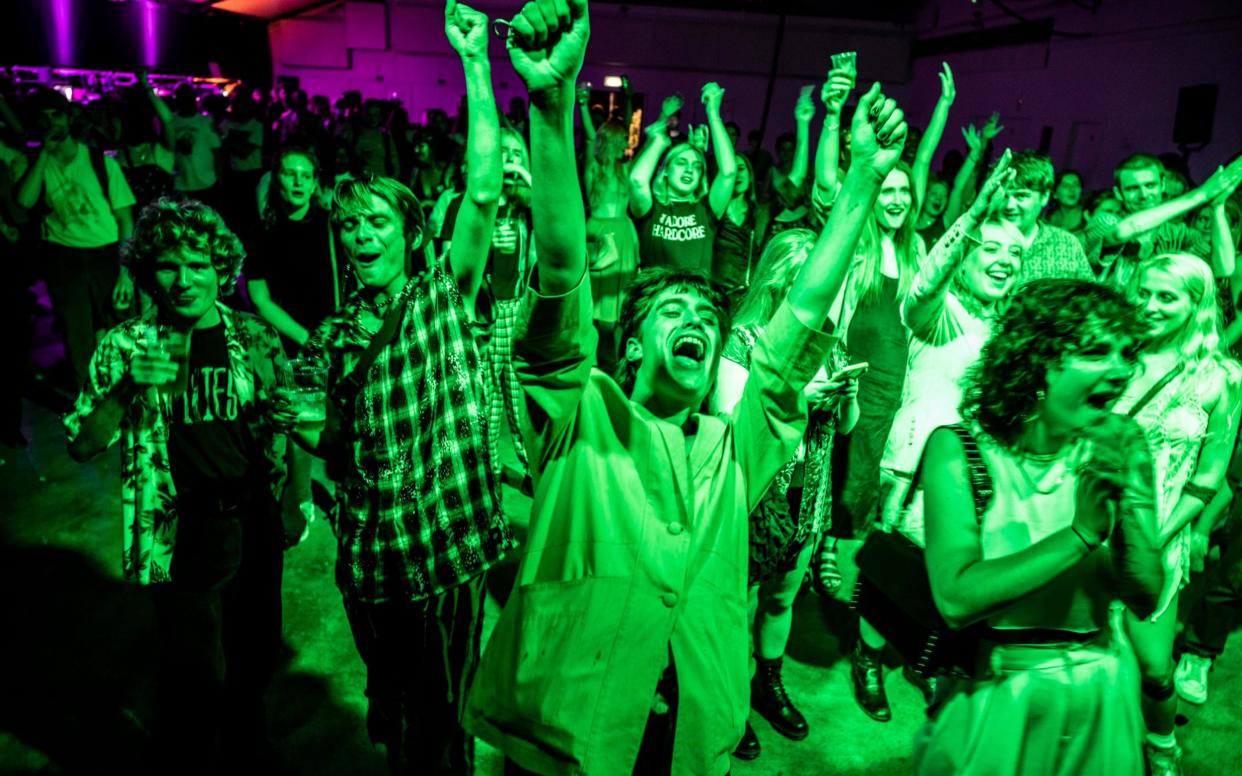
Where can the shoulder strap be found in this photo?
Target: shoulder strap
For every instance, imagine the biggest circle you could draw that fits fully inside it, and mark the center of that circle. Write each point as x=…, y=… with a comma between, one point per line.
x=1155, y=390
x=100, y=166
x=980, y=478
x=351, y=385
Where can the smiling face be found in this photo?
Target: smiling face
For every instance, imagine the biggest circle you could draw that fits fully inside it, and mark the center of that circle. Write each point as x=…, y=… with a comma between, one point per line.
x=1140, y=189
x=186, y=285
x=1022, y=208
x=296, y=179
x=373, y=238
x=893, y=205
x=1166, y=304
x=677, y=349
x=1083, y=388
x=991, y=269
x=684, y=171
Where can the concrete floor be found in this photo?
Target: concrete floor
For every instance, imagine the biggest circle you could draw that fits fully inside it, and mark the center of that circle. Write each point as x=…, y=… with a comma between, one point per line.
x=78, y=647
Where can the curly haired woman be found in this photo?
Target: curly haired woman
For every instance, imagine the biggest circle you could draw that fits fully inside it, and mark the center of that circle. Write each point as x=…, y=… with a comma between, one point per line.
x=1068, y=529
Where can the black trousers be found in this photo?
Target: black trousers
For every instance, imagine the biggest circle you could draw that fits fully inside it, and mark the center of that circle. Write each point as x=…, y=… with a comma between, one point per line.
x=219, y=623
x=80, y=283
x=1216, y=613
x=421, y=657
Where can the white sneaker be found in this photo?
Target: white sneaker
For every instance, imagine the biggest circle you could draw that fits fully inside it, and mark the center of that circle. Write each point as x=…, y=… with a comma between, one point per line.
x=1191, y=678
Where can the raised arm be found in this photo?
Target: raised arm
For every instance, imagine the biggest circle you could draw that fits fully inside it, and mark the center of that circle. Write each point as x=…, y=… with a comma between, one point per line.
x=467, y=31
x=935, y=130
x=962, y=193
x=1224, y=249
x=833, y=94
x=167, y=138
x=1223, y=180
x=877, y=136
x=546, y=47
x=926, y=299
x=644, y=167
x=726, y=160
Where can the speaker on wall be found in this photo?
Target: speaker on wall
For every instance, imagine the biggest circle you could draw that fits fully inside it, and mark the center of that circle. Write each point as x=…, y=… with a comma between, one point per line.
x=1196, y=112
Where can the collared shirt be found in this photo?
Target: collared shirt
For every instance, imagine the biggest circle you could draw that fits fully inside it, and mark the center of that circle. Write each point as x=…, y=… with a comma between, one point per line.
x=418, y=510
x=1055, y=253
x=637, y=549
x=148, y=497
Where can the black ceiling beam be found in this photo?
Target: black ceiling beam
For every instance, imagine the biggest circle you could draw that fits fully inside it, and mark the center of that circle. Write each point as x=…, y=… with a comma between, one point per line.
x=895, y=11
x=1023, y=33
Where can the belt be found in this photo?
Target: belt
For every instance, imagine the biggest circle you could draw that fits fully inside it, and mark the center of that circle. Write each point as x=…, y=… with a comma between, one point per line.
x=1037, y=636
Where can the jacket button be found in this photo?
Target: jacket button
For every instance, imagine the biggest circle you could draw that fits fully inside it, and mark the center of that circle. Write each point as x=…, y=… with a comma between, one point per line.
x=669, y=599
x=675, y=528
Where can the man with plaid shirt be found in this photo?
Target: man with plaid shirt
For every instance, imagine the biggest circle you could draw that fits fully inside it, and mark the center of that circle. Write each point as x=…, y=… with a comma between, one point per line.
x=418, y=519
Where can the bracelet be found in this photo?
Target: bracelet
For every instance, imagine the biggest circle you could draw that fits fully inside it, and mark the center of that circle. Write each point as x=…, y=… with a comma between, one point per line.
x=1090, y=547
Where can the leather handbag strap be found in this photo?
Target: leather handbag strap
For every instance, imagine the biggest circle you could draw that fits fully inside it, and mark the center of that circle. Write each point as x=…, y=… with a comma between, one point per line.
x=1155, y=390
x=351, y=385
x=980, y=478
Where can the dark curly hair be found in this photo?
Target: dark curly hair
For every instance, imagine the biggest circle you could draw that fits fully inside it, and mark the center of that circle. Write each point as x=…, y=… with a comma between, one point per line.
x=170, y=224
x=1046, y=321
x=642, y=293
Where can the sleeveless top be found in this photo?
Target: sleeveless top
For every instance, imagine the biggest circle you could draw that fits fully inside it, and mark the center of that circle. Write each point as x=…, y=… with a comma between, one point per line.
x=678, y=235
x=734, y=255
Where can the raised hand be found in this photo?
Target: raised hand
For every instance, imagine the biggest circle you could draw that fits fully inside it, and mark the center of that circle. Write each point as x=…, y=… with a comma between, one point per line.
x=547, y=42
x=836, y=90
x=948, y=90
x=466, y=29
x=804, y=110
x=992, y=193
x=974, y=140
x=878, y=133
x=991, y=128
x=670, y=106
x=712, y=96
x=583, y=94
x=698, y=136
x=1222, y=182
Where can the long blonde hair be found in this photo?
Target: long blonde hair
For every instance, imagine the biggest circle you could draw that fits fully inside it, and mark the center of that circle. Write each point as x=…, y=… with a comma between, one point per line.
x=778, y=266
x=1200, y=340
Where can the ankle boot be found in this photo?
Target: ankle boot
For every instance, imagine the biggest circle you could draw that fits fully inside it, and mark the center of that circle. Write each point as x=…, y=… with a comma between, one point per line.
x=748, y=747
x=924, y=684
x=868, y=674
x=769, y=698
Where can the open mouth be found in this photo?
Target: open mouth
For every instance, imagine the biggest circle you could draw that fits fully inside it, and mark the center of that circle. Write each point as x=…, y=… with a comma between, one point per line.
x=367, y=259
x=1000, y=274
x=689, y=351
x=1104, y=399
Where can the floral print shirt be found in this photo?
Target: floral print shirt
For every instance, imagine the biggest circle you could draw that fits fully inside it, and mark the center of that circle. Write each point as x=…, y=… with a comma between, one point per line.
x=148, y=496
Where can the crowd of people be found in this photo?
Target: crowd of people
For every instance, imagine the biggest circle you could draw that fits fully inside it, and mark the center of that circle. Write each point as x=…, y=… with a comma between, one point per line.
x=717, y=373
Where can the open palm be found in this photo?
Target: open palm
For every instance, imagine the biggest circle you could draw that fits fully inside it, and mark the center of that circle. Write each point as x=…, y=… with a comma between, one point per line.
x=555, y=61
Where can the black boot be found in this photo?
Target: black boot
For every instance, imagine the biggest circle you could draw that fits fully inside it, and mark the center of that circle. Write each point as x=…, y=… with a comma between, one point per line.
x=868, y=675
x=748, y=747
x=769, y=698
x=925, y=685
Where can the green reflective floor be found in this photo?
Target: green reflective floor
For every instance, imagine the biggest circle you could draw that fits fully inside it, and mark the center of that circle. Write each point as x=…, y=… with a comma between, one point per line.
x=78, y=648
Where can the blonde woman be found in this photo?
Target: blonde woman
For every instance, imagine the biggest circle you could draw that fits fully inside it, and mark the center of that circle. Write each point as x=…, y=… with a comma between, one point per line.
x=1185, y=398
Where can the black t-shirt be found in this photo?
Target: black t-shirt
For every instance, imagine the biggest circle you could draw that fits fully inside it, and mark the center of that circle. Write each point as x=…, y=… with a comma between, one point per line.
x=210, y=447
x=679, y=234
x=295, y=259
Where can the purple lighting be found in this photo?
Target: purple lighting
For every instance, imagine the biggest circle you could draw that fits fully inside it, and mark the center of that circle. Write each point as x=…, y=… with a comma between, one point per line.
x=150, y=34
x=62, y=31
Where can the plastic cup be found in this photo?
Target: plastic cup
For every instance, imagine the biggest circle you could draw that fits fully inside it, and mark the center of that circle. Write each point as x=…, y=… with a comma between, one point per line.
x=307, y=389
x=174, y=345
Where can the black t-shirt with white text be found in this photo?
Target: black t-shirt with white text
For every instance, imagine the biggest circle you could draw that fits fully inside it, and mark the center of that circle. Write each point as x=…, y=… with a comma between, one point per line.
x=209, y=445
x=677, y=234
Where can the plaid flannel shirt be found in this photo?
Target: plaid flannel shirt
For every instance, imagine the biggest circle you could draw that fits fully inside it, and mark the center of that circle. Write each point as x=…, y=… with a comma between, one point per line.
x=148, y=497
x=418, y=510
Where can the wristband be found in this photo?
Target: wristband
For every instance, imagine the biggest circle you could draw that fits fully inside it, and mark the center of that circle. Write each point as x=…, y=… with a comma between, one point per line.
x=1198, y=491
x=1090, y=547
